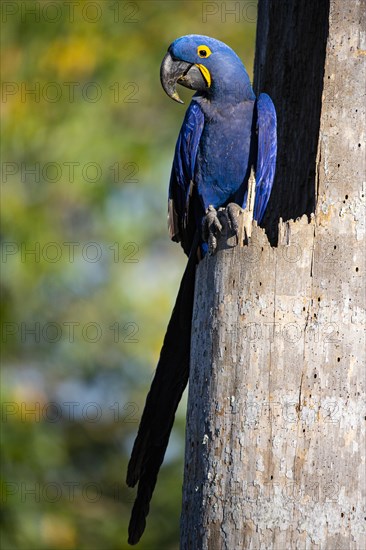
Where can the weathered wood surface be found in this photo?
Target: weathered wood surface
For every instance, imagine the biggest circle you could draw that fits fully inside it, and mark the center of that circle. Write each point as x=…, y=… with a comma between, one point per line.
x=275, y=443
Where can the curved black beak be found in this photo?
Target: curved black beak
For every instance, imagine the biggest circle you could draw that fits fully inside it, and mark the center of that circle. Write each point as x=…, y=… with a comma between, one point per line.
x=173, y=71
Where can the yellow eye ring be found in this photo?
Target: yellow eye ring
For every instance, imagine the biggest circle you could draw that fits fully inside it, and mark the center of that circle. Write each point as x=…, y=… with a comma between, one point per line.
x=203, y=51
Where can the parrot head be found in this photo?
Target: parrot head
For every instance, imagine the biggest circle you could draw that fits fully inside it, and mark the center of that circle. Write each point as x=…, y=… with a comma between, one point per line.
x=206, y=65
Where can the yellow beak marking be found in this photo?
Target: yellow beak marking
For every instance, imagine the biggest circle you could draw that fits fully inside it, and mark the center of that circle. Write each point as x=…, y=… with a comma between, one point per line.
x=205, y=73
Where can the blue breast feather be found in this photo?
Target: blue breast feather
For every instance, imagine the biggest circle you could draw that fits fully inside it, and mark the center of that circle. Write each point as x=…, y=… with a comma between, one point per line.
x=186, y=206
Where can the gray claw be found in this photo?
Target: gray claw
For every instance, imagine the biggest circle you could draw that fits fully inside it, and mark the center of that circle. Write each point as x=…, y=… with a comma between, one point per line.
x=211, y=226
x=232, y=211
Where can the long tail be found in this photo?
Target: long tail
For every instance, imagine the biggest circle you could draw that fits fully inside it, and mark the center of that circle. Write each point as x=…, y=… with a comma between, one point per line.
x=170, y=379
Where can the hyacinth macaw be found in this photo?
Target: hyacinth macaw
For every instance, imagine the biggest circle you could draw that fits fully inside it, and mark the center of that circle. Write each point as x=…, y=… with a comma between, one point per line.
x=226, y=131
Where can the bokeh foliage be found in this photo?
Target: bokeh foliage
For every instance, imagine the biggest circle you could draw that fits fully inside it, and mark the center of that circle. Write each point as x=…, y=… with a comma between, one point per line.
x=87, y=142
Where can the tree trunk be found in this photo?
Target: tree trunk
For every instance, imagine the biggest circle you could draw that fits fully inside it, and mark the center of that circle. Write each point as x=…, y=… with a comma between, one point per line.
x=275, y=436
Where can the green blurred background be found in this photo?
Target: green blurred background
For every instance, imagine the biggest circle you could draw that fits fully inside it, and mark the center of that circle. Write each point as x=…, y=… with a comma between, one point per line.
x=89, y=275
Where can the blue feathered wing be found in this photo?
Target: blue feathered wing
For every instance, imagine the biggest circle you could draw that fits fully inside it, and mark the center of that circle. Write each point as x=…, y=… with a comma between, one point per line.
x=181, y=214
x=265, y=164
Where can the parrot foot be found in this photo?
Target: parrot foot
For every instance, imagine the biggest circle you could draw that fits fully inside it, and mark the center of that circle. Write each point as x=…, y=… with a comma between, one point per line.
x=233, y=211
x=211, y=226
x=222, y=220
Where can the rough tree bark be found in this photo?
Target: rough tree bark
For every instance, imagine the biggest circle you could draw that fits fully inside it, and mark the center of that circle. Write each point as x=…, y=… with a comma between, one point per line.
x=275, y=441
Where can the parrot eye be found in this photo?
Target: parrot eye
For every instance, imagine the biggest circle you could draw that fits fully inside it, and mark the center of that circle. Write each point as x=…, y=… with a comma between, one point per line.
x=203, y=51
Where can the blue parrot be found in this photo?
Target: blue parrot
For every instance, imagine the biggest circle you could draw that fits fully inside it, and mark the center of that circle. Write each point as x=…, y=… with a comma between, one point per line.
x=226, y=132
